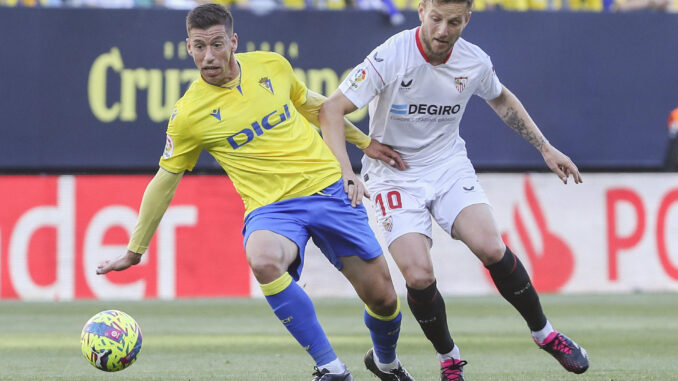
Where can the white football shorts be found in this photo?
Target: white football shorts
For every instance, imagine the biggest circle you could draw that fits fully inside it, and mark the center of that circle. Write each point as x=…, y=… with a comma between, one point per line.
x=404, y=204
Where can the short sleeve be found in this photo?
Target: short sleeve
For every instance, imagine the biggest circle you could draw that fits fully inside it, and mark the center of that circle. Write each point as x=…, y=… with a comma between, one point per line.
x=362, y=84
x=297, y=88
x=181, y=148
x=489, y=87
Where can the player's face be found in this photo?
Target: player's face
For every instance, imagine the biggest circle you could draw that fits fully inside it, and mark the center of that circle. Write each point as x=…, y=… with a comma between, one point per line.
x=441, y=27
x=212, y=51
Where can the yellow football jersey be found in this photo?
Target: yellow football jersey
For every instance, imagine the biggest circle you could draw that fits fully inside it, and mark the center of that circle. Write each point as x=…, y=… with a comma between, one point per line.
x=254, y=131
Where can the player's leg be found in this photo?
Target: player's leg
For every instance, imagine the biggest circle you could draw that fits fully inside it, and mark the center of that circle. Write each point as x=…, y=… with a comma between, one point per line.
x=344, y=236
x=411, y=254
x=476, y=227
x=372, y=282
x=273, y=258
x=405, y=221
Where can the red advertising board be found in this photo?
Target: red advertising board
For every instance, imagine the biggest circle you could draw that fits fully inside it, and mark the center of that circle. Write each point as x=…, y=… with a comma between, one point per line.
x=613, y=233
x=54, y=230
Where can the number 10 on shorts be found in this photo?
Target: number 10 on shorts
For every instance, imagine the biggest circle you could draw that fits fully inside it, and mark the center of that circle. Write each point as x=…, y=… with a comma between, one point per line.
x=392, y=199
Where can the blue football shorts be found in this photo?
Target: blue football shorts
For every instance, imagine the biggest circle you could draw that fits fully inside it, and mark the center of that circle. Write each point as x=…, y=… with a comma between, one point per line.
x=327, y=217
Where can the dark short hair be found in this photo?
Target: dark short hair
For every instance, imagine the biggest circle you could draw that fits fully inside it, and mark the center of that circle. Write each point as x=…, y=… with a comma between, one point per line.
x=469, y=3
x=208, y=15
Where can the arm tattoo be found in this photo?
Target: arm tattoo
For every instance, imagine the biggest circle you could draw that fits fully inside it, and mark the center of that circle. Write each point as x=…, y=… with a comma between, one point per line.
x=513, y=120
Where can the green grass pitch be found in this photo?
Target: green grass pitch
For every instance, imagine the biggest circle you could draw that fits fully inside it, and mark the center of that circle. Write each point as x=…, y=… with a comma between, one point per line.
x=628, y=337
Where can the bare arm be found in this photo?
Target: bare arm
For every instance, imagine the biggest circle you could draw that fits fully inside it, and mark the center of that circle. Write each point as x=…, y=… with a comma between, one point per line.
x=331, y=123
x=311, y=109
x=512, y=112
x=157, y=197
x=372, y=148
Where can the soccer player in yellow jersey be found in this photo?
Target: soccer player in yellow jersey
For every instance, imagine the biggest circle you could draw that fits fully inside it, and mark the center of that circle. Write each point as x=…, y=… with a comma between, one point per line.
x=251, y=113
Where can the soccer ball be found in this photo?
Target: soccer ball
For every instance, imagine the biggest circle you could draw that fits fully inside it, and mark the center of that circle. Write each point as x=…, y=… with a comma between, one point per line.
x=111, y=340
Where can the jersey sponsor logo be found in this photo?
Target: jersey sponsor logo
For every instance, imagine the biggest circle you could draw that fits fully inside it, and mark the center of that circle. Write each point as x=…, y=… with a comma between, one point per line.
x=169, y=148
x=399, y=109
x=460, y=83
x=358, y=77
x=265, y=82
x=406, y=84
x=217, y=114
x=425, y=109
x=246, y=135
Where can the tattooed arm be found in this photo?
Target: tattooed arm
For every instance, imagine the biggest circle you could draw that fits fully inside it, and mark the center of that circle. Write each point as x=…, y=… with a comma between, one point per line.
x=512, y=112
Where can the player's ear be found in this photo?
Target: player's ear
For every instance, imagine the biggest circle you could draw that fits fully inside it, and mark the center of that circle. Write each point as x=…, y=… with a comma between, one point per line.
x=468, y=17
x=421, y=9
x=188, y=47
x=234, y=42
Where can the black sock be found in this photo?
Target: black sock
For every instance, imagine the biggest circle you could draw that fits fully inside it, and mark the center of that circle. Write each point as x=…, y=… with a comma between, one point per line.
x=515, y=286
x=428, y=307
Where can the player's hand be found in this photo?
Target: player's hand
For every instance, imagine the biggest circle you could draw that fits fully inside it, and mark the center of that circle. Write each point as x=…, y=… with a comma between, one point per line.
x=560, y=164
x=386, y=154
x=121, y=263
x=354, y=188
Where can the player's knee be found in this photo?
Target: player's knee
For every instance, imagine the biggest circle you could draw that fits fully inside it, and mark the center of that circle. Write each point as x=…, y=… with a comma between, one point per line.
x=384, y=304
x=420, y=282
x=266, y=267
x=381, y=297
x=418, y=277
x=491, y=252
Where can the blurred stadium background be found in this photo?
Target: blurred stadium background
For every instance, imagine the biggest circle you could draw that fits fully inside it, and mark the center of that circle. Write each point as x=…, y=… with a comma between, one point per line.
x=88, y=85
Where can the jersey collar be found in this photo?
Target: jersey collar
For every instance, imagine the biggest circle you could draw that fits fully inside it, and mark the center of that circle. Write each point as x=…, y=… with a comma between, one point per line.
x=421, y=47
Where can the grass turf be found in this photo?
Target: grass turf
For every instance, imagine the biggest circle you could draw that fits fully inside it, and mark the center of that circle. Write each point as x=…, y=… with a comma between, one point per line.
x=628, y=337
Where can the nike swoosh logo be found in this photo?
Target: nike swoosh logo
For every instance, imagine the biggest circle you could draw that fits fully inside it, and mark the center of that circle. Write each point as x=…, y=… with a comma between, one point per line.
x=403, y=84
x=469, y=188
x=377, y=58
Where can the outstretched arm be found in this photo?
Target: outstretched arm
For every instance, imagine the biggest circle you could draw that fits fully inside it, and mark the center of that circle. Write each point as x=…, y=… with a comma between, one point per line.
x=512, y=112
x=157, y=197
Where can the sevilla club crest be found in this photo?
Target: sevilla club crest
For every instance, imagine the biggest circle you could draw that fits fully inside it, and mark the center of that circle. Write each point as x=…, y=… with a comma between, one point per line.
x=460, y=83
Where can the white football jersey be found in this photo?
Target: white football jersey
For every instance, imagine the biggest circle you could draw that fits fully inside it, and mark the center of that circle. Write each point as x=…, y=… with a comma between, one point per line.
x=416, y=107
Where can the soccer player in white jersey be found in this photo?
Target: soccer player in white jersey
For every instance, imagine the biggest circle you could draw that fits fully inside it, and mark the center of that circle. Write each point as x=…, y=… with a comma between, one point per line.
x=417, y=85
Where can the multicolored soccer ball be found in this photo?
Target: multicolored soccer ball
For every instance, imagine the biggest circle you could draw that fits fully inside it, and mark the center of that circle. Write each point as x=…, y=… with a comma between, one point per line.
x=111, y=340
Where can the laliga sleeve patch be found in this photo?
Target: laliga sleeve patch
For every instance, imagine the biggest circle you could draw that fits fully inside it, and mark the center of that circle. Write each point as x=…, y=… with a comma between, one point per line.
x=358, y=77
x=169, y=148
